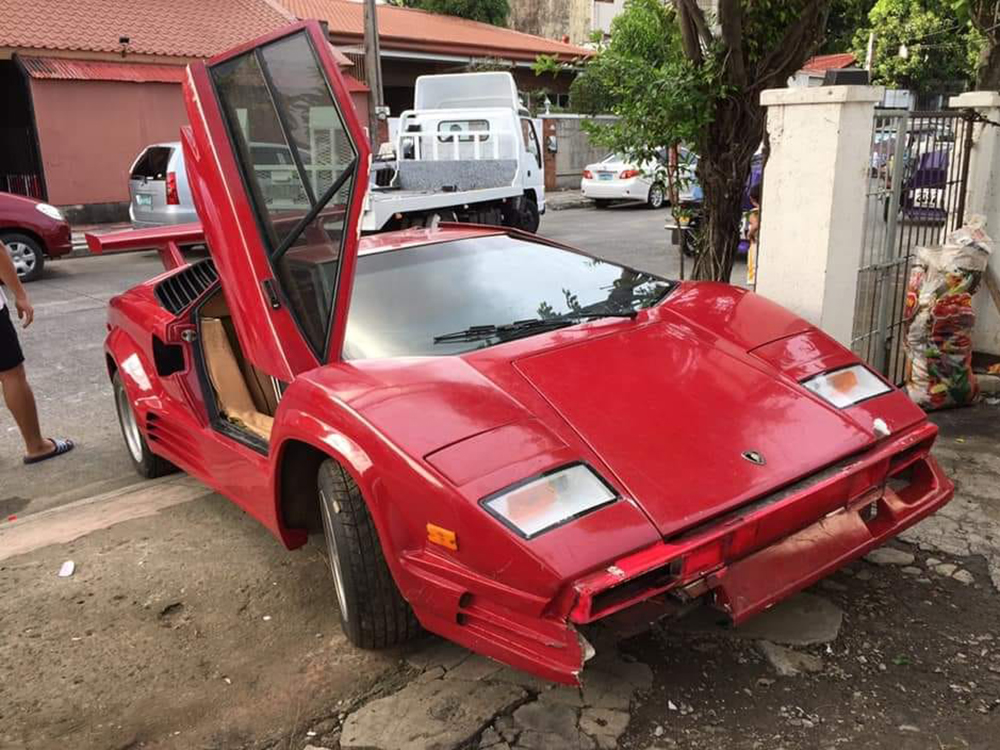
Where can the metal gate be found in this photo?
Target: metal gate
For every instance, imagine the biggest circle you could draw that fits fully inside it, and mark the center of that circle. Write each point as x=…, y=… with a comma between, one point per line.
x=916, y=194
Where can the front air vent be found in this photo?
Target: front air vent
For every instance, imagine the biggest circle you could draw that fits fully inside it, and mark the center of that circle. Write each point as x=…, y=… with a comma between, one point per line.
x=183, y=288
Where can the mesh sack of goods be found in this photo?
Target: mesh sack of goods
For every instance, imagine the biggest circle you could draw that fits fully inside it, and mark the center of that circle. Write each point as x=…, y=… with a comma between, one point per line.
x=940, y=318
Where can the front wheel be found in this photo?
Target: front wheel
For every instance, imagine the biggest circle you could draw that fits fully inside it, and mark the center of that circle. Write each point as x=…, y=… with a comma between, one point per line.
x=373, y=614
x=530, y=217
x=27, y=254
x=147, y=464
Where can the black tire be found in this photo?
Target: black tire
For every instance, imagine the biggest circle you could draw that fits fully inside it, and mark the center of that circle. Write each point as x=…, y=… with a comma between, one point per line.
x=601, y=203
x=657, y=197
x=27, y=254
x=147, y=464
x=373, y=614
x=530, y=218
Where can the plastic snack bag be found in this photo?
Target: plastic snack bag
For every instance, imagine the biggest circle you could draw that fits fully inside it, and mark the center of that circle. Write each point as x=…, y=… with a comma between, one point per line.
x=940, y=318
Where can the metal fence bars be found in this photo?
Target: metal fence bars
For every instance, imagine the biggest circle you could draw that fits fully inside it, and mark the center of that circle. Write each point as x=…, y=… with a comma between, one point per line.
x=917, y=177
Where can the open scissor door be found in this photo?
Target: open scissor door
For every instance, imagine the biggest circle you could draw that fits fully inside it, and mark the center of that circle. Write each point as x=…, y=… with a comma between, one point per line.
x=278, y=166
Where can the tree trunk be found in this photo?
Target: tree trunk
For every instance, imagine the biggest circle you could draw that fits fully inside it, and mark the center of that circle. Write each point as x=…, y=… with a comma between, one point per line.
x=988, y=73
x=733, y=138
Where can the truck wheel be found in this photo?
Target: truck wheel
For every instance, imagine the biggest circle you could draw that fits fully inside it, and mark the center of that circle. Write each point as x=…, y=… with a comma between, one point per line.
x=147, y=464
x=27, y=254
x=530, y=218
x=373, y=614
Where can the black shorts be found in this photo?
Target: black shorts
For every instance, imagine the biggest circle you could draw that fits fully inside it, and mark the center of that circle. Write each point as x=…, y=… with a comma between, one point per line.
x=10, y=348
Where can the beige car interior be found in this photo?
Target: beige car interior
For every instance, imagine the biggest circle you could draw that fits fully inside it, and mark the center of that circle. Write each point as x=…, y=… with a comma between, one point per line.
x=244, y=395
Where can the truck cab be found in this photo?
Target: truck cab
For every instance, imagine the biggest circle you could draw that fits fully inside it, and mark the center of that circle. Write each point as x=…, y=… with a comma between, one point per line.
x=467, y=151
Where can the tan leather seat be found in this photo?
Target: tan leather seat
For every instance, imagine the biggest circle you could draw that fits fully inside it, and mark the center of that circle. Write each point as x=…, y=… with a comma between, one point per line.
x=232, y=393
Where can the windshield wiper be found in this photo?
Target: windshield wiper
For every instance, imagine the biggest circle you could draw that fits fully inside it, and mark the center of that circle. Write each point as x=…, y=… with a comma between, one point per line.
x=530, y=326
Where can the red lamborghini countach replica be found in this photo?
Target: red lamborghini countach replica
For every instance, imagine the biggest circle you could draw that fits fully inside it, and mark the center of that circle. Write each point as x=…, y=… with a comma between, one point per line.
x=499, y=438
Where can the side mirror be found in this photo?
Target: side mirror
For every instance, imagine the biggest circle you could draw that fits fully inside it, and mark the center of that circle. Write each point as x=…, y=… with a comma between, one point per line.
x=552, y=144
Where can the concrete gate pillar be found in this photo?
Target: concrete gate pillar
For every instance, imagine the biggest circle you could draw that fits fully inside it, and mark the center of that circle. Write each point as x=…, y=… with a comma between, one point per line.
x=982, y=197
x=814, y=200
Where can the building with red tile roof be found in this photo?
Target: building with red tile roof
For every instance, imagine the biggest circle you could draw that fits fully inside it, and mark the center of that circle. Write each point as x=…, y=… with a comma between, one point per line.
x=836, y=61
x=407, y=29
x=416, y=42
x=177, y=29
x=814, y=69
x=86, y=85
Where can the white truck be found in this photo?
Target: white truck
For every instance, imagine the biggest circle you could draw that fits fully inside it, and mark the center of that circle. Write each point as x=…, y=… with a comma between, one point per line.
x=468, y=151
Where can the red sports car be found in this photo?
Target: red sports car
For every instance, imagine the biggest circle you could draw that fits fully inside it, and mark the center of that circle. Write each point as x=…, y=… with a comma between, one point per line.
x=32, y=232
x=501, y=439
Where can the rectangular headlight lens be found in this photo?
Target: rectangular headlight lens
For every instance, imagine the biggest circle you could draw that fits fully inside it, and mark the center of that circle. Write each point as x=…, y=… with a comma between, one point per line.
x=550, y=500
x=847, y=386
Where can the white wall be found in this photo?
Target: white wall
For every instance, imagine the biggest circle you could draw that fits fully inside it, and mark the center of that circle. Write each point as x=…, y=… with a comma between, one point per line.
x=604, y=13
x=983, y=197
x=814, y=200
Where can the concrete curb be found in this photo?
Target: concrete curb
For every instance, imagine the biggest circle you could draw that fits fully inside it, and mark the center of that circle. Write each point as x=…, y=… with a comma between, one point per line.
x=567, y=203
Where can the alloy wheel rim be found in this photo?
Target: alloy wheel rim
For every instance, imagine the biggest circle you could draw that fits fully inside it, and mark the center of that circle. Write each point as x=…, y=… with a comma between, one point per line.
x=657, y=197
x=23, y=256
x=334, y=561
x=130, y=427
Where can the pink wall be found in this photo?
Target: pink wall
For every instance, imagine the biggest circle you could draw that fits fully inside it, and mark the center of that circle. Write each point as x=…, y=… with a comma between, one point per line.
x=90, y=131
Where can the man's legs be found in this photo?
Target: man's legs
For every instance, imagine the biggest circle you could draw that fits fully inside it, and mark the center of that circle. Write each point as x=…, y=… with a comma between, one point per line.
x=21, y=402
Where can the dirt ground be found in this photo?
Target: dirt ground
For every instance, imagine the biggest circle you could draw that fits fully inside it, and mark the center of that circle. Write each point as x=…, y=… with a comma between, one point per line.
x=916, y=665
x=191, y=629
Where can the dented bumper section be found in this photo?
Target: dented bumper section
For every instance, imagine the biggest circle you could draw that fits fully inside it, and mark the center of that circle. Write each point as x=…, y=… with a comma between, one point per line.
x=754, y=557
x=743, y=562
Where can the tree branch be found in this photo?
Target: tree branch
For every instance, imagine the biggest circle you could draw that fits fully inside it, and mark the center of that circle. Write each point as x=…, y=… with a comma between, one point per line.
x=731, y=21
x=689, y=32
x=799, y=41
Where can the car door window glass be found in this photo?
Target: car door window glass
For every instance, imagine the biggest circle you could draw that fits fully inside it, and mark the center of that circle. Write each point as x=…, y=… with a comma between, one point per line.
x=531, y=141
x=298, y=162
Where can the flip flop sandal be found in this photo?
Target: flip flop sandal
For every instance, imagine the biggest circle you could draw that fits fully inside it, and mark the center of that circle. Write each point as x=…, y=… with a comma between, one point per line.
x=61, y=447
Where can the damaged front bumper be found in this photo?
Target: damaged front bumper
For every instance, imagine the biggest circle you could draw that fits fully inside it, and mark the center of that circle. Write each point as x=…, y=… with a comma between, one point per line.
x=742, y=562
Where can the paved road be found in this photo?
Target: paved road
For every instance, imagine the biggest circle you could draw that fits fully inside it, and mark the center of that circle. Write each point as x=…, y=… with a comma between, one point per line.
x=67, y=369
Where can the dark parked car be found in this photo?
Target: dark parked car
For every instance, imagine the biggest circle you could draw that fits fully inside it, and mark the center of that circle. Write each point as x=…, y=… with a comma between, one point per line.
x=32, y=232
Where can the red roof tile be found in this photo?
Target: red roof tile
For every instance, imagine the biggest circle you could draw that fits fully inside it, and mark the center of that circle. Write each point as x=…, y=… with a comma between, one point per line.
x=822, y=63
x=407, y=28
x=59, y=68
x=175, y=28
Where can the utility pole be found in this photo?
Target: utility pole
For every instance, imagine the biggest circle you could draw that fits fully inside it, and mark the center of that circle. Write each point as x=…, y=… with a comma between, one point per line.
x=870, y=52
x=373, y=73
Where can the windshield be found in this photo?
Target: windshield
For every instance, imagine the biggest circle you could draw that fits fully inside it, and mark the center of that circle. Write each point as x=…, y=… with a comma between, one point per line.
x=404, y=299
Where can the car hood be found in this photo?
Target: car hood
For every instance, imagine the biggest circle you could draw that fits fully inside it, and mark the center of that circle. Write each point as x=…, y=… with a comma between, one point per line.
x=671, y=409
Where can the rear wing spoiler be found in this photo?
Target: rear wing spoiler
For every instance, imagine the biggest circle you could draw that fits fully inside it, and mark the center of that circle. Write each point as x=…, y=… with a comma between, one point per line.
x=167, y=241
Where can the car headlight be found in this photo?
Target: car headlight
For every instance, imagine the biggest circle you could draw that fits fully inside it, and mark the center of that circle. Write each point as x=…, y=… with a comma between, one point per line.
x=537, y=505
x=847, y=386
x=51, y=211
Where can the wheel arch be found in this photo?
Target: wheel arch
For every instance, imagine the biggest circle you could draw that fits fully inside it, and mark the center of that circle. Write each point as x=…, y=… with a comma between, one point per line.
x=28, y=233
x=298, y=456
x=110, y=363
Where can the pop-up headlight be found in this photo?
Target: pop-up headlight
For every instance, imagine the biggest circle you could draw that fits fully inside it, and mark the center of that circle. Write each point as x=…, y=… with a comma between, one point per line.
x=550, y=500
x=847, y=386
